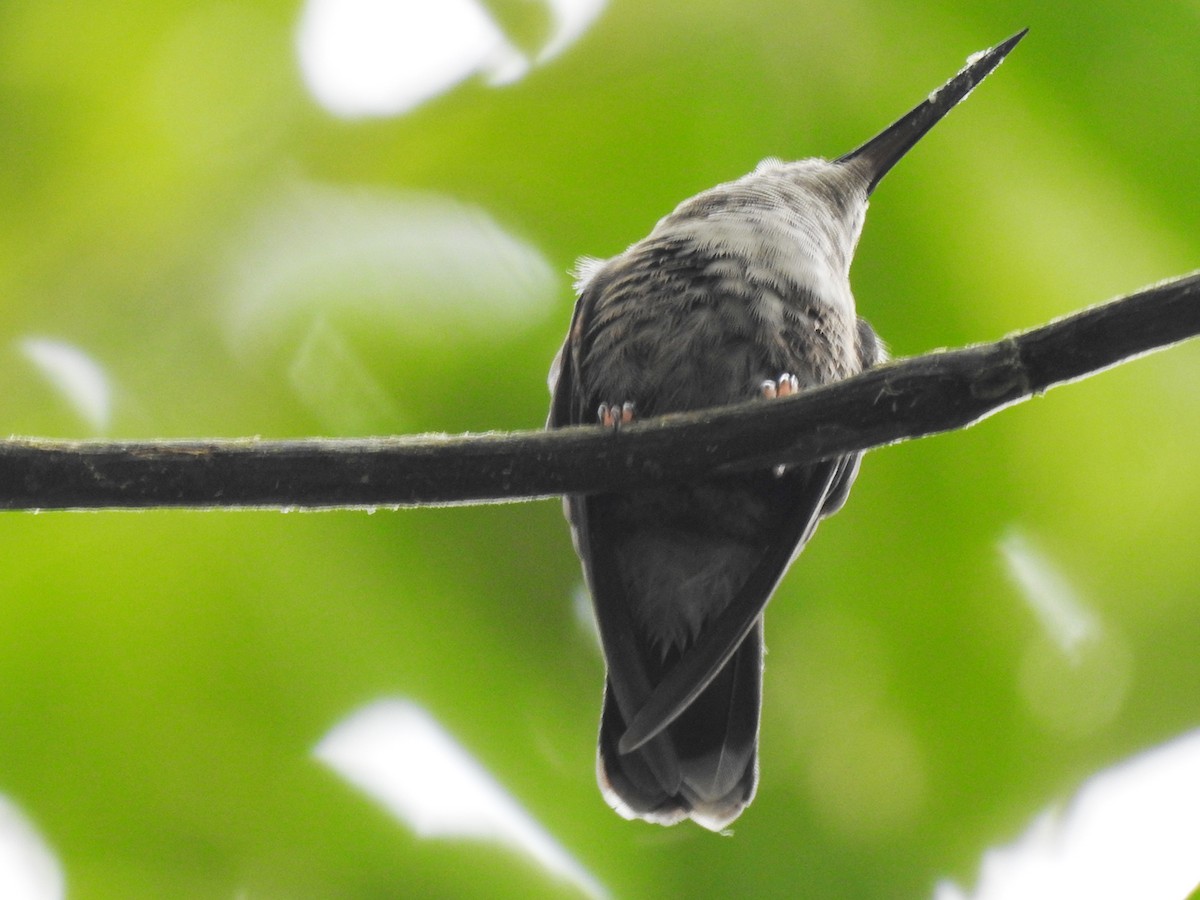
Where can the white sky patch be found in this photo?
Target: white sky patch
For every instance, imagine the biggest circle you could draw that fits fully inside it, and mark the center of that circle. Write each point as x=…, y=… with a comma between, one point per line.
x=1061, y=613
x=385, y=57
x=29, y=869
x=75, y=375
x=1131, y=831
x=398, y=754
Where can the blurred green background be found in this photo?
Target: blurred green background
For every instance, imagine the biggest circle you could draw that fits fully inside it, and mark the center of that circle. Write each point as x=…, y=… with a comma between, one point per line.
x=197, y=240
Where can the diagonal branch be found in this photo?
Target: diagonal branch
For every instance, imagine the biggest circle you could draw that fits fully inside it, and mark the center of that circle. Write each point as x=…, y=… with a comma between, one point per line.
x=936, y=392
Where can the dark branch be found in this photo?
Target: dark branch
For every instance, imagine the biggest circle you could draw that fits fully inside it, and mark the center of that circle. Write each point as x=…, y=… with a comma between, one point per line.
x=924, y=395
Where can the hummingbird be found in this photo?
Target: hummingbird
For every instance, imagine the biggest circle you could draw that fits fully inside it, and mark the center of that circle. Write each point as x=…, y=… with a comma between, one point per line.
x=742, y=293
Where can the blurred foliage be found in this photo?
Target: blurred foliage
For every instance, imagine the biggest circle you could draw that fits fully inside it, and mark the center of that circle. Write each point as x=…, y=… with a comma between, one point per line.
x=175, y=204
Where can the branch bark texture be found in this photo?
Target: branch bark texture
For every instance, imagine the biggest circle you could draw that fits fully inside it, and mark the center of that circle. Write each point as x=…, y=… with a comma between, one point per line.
x=940, y=391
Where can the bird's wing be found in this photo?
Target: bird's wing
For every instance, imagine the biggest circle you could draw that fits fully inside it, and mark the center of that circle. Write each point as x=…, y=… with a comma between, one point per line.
x=718, y=642
x=631, y=685
x=629, y=677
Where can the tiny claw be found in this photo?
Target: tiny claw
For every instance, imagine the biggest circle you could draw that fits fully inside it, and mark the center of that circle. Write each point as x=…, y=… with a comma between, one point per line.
x=614, y=415
x=786, y=385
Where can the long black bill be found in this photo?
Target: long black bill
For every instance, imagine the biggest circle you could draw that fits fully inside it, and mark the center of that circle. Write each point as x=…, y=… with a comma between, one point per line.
x=881, y=152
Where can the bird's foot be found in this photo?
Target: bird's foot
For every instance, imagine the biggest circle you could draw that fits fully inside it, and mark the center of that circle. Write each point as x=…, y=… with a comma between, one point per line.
x=614, y=415
x=783, y=386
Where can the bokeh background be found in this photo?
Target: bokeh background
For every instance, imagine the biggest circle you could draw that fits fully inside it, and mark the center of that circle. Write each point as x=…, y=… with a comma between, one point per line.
x=323, y=218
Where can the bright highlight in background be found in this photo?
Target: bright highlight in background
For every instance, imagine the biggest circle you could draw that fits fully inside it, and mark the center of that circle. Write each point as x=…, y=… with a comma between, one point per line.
x=28, y=869
x=411, y=265
x=398, y=754
x=1131, y=831
x=76, y=376
x=385, y=57
x=1075, y=676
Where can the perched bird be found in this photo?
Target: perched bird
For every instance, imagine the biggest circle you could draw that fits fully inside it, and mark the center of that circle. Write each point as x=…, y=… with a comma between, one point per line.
x=742, y=292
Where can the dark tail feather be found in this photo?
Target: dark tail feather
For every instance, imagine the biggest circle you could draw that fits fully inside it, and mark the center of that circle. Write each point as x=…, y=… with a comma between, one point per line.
x=711, y=749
